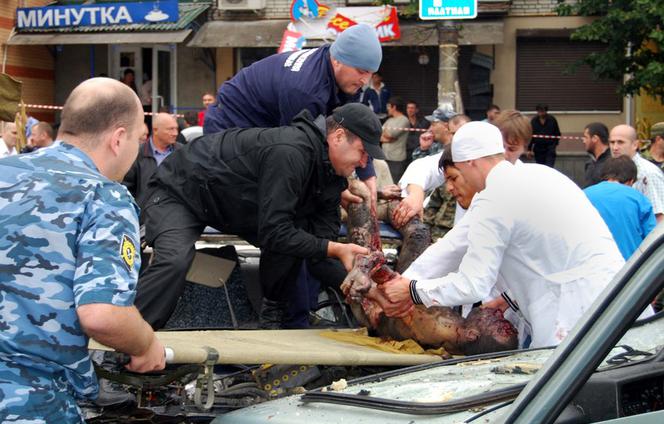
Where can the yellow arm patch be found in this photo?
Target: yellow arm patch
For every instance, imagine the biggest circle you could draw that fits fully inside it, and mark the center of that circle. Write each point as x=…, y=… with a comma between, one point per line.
x=128, y=251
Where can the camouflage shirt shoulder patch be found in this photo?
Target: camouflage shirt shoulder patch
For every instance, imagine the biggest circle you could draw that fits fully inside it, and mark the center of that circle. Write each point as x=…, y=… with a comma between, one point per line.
x=128, y=251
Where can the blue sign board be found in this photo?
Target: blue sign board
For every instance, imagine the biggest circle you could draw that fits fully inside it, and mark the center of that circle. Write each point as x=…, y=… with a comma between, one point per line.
x=96, y=14
x=448, y=9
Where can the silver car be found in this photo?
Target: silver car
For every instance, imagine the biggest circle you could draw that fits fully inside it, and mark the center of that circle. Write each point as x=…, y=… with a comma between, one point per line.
x=610, y=369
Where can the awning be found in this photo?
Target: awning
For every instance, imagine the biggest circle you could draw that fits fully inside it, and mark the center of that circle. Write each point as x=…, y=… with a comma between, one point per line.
x=268, y=33
x=157, y=33
x=100, y=38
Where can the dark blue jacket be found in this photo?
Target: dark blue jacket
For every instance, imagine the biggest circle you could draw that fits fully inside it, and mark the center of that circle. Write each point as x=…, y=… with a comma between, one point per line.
x=272, y=91
x=377, y=103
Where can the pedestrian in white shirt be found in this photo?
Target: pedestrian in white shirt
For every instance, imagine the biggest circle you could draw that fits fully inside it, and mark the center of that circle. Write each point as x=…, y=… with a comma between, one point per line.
x=9, y=139
x=530, y=225
x=424, y=174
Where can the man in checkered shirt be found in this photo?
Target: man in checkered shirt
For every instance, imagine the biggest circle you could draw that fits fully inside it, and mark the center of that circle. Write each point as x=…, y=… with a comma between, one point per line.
x=650, y=179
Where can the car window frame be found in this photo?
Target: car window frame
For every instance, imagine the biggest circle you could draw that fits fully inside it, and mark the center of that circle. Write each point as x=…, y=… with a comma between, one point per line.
x=583, y=350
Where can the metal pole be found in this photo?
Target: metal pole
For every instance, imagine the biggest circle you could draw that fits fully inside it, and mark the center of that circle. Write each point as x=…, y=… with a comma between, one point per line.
x=92, y=61
x=155, y=80
x=174, y=78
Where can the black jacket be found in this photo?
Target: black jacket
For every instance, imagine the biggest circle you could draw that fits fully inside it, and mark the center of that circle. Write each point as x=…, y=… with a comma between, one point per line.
x=141, y=171
x=594, y=168
x=549, y=128
x=275, y=187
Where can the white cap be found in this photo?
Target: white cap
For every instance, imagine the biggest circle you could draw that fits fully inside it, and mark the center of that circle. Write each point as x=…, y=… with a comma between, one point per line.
x=476, y=140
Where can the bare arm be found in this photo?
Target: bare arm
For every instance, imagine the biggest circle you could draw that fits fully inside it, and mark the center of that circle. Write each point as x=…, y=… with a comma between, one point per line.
x=372, y=183
x=123, y=329
x=410, y=206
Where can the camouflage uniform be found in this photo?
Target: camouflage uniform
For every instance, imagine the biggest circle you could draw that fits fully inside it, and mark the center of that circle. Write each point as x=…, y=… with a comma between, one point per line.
x=67, y=238
x=436, y=147
x=439, y=213
x=645, y=154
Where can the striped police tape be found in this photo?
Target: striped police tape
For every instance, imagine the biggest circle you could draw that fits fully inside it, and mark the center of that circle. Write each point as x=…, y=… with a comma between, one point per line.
x=51, y=107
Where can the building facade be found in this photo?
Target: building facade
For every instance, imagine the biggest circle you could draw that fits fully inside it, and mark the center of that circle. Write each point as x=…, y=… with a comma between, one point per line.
x=33, y=65
x=168, y=74
x=515, y=54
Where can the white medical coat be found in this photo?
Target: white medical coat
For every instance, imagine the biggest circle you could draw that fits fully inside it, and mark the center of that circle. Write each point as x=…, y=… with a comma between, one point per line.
x=535, y=230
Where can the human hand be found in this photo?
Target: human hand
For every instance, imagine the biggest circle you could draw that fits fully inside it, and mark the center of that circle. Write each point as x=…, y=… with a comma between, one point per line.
x=347, y=198
x=397, y=290
x=426, y=140
x=497, y=303
x=398, y=310
x=390, y=192
x=346, y=252
x=409, y=207
x=153, y=359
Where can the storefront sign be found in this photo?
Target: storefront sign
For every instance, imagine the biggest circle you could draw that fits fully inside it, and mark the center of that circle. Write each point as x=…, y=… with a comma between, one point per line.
x=448, y=9
x=96, y=14
x=291, y=41
x=388, y=29
x=310, y=9
x=339, y=23
x=383, y=18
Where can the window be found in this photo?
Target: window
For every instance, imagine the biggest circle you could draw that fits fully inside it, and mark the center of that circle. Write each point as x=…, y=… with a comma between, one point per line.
x=543, y=76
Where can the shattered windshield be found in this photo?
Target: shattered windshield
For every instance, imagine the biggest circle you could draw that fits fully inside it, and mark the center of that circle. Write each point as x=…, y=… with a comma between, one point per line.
x=484, y=380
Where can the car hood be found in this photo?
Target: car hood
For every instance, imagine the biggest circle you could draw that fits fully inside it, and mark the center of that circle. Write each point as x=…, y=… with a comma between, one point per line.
x=450, y=381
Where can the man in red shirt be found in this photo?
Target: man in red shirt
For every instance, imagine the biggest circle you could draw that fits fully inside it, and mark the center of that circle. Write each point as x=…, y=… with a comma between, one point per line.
x=208, y=99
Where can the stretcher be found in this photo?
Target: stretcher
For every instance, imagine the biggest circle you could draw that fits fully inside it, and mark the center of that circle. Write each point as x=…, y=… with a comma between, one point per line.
x=249, y=347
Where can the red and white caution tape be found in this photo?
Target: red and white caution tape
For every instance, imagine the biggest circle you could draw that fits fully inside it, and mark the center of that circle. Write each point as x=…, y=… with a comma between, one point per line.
x=52, y=107
x=407, y=129
x=48, y=107
x=561, y=137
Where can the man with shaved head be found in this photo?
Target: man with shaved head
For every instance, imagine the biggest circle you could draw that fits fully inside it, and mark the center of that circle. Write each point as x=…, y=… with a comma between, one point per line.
x=649, y=179
x=69, y=239
x=151, y=154
x=42, y=135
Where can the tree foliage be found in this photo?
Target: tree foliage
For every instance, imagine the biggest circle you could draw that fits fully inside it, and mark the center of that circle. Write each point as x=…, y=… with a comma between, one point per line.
x=633, y=33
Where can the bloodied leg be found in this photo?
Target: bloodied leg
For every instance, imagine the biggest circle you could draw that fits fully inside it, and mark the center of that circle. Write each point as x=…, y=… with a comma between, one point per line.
x=485, y=330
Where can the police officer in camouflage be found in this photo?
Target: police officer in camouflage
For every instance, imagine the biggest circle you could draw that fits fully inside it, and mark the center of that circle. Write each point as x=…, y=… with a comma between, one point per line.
x=69, y=267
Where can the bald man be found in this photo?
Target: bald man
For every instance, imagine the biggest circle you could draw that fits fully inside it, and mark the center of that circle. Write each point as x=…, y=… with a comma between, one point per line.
x=42, y=135
x=8, y=141
x=649, y=179
x=151, y=154
x=74, y=277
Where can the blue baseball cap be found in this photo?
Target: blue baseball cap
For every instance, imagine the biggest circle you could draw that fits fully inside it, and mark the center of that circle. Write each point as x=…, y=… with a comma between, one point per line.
x=441, y=115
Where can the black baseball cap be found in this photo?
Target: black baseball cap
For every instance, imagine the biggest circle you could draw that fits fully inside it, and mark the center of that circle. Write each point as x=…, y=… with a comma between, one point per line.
x=361, y=121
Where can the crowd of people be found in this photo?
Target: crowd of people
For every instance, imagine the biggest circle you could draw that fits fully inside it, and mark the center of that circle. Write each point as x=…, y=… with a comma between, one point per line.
x=268, y=160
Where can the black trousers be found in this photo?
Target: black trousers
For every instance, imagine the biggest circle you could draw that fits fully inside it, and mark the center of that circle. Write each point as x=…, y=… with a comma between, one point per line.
x=172, y=231
x=545, y=154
